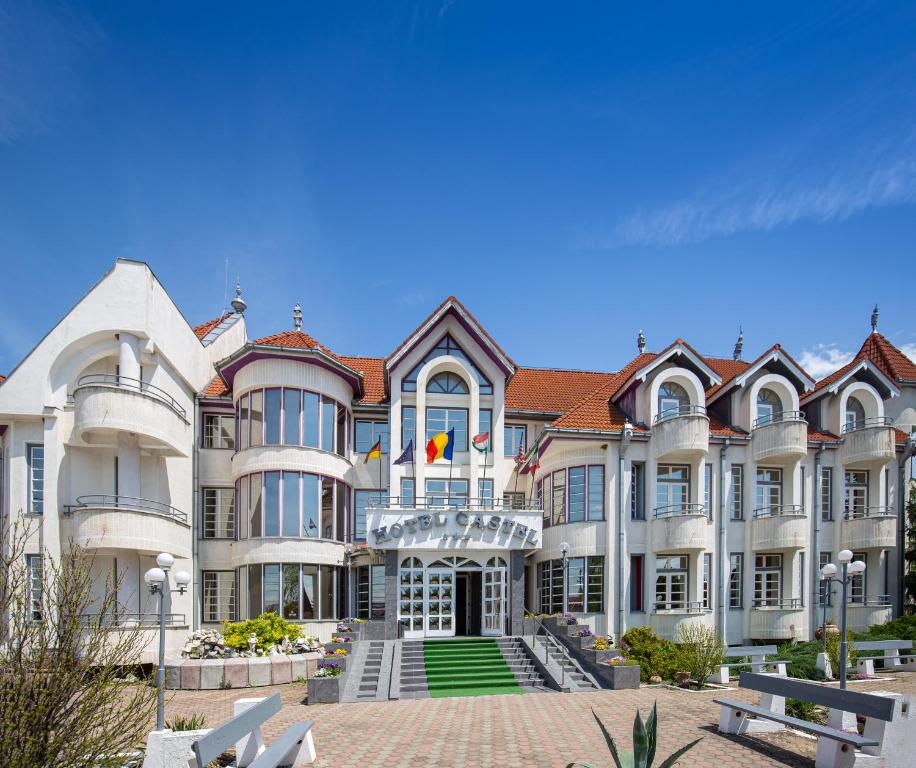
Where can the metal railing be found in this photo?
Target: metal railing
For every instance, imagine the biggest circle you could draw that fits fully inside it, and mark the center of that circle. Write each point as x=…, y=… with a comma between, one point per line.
x=778, y=510
x=876, y=601
x=106, y=501
x=680, y=606
x=857, y=513
x=550, y=640
x=682, y=410
x=134, y=619
x=874, y=421
x=133, y=385
x=786, y=604
x=674, y=510
x=451, y=501
x=776, y=418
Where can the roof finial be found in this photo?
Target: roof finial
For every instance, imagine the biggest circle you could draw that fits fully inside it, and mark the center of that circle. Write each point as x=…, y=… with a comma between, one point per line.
x=739, y=344
x=297, y=318
x=874, y=319
x=641, y=341
x=238, y=303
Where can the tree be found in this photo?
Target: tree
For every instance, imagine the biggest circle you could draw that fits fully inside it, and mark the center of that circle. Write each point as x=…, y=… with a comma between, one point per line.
x=909, y=555
x=63, y=701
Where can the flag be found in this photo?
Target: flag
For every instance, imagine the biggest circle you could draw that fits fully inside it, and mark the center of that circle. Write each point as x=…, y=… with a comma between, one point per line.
x=440, y=446
x=407, y=456
x=534, y=462
x=481, y=442
x=520, y=456
x=375, y=452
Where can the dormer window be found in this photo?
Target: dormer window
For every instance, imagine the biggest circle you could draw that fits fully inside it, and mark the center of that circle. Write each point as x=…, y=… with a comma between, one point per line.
x=446, y=346
x=769, y=407
x=855, y=414
x=447, y=383
x=672, y=400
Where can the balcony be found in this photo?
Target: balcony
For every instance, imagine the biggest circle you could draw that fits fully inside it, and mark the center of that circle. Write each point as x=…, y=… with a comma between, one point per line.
x=666, y=618
x=867, y=612
x=868, y=444
x=106, y=405
x=681, y=433
x=869, y=528
x=680, y=527
x=777, y=620
x=176, y=626
x=452, y=522
x=124, y=522
x=783, y=438
x=779, y=528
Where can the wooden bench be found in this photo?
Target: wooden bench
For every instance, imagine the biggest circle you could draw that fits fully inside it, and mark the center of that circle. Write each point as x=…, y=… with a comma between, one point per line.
x=758, y=660
x=294, y=746
x=837, y=741
x=890, y=659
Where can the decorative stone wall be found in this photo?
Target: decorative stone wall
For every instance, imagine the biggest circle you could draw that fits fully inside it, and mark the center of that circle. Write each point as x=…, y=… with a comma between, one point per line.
x=213, y=674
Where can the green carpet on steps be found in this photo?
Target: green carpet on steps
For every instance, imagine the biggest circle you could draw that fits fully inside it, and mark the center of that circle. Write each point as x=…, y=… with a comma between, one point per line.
x=467, y=667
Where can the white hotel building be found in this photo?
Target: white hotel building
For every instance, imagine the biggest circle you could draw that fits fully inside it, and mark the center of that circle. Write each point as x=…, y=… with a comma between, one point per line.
x=686, y=488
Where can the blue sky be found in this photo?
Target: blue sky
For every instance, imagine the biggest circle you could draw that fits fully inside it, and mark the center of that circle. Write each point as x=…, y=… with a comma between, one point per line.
x=572, y=172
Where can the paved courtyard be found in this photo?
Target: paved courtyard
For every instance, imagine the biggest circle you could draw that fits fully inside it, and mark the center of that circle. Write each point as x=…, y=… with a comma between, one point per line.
x=530, y=730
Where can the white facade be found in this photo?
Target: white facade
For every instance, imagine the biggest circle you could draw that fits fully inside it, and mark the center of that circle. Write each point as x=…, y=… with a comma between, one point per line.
x=685, y=488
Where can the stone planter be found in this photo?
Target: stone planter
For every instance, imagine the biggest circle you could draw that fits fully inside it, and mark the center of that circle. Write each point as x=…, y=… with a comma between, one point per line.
x=617, y=677
x=339, y=660
x=325, y=690
x=581, y=643
x=594, y=657
x=331, y=647
x=241, y=672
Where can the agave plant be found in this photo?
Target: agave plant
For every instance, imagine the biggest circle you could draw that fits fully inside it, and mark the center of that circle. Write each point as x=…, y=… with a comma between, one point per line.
x=643, y=754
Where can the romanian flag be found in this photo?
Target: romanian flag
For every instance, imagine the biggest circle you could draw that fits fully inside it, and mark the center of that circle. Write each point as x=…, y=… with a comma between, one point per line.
x=440, y=446
x=375, y=452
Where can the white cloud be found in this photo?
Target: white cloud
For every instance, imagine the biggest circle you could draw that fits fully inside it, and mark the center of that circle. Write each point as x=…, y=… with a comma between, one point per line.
x=909, y=350
x=823, y=359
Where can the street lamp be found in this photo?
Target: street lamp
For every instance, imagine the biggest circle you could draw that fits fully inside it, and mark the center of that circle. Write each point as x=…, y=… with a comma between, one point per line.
x=564, y=551
x=851, y=569
x=158, y=581
x=348, y=551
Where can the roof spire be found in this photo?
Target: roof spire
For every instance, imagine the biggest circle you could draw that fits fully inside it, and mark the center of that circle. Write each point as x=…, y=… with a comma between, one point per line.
x=641, y=341
x=238, y=303
x=874, y=319
x=297, y=317
x=739, y=344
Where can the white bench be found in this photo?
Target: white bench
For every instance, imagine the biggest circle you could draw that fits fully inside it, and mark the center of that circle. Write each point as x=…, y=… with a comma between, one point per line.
x=888, y=730
x=891, y=658
x=758, y=660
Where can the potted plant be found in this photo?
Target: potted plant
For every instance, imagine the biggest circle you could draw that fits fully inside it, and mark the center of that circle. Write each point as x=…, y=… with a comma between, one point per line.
x=325, y=686
x=618, y=672
x=338, y=641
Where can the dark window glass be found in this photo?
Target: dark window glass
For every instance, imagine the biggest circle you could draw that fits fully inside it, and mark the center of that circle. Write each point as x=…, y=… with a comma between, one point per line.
x=636, y=583
x=271, y=503
x=310, y=522
x=290, y=591
x=408, y=425
x=292, y=403
x=327, y=507
x=290, y=503
x=343, y=499
x=447, y=383
x=341, y=430
x=256, y=506
x=596, y=492
x=254, y=591
x=309, y=591
x=328, y=587
x=576, y=492
x=257, y=417
x=310, y=419
x=244, y=423
x=328, y=421
x=271, y=589
x=272, y=416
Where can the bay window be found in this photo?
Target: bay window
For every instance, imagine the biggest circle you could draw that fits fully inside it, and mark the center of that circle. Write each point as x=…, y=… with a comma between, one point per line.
x=585, y=585
x=296, y=591
x=574, y=495
x=282, y=416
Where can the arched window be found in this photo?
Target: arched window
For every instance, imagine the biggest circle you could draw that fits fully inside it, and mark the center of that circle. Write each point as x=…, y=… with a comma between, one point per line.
x=672, y=398
x=447, y=383
x=855, y=414
x=769, y=406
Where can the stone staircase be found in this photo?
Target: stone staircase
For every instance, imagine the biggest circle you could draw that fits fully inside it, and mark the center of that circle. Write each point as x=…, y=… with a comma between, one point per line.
x=370, y=675
x=562, y=669
x=516, y=656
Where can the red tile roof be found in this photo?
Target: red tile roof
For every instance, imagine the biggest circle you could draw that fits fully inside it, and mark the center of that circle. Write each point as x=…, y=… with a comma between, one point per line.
x=820, y=434
x=596, y=412
x=451, y=300
x=551, y=390
x=2, y=378
x=203, y=329
x=902, y=436
x=216, y=388
x=896, y=365
x=719, y=427
x=293, y=340
x=373, y=370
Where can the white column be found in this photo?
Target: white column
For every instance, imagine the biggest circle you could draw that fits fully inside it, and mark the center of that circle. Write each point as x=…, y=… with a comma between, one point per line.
x=128, y=356
x=128, y=466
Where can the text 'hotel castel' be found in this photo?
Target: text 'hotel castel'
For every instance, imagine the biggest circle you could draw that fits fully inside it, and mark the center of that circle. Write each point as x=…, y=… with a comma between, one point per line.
x=432, y=489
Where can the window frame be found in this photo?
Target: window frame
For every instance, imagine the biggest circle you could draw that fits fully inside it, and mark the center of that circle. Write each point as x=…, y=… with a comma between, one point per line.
x=233, y=597
x=510, y=439
x=666, y=575
x=36, y=481
x=736, y=495
x=217, y=511
x=212, y=436
x=462, y=439
x=736, y=580
x=374, y=435
x=762, y=574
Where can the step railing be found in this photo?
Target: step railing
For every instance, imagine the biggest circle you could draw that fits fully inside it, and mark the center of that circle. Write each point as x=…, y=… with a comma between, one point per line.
x=549, y=640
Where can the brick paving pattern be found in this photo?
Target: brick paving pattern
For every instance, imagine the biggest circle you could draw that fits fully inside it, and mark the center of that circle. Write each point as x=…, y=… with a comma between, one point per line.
x=514, y=731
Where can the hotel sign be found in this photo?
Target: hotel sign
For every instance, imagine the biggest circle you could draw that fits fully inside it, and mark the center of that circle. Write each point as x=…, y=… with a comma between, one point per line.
x=448, y=528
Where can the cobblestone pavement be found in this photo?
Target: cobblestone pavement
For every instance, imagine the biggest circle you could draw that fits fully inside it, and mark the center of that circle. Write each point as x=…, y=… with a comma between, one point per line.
x=508, y=731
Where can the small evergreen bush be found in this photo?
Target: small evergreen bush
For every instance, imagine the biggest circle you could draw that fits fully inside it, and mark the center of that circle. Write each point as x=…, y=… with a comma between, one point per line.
x=654, y=655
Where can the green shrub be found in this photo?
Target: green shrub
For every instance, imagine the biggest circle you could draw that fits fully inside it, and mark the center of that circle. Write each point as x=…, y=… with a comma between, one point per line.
x=195, y=722
x=833, y=652
x=805, y=710
x=268, y=628
x=699, y=651
x=903, y=628
x=802, y=658
x=654, y=655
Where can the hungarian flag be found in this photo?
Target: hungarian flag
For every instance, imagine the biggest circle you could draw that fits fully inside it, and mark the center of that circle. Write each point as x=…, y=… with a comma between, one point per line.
x=375, y=452
x=440, y=446
x=481, y=442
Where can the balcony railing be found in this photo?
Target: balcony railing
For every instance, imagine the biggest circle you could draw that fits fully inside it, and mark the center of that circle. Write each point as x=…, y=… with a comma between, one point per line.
x=784, y=604
x=876, y=601
x=104, y=501
x=874, y=421
x=684, y=410
x=132, y=385
x=857, y=513
x=446, y=501
x=762, y=421
x=134, y=619
x=673, y=510
x=680, y=606
x=779, y=510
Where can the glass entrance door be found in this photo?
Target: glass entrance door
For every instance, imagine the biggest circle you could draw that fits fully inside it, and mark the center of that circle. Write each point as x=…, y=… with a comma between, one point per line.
x=494, y=598
x=440, y=602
